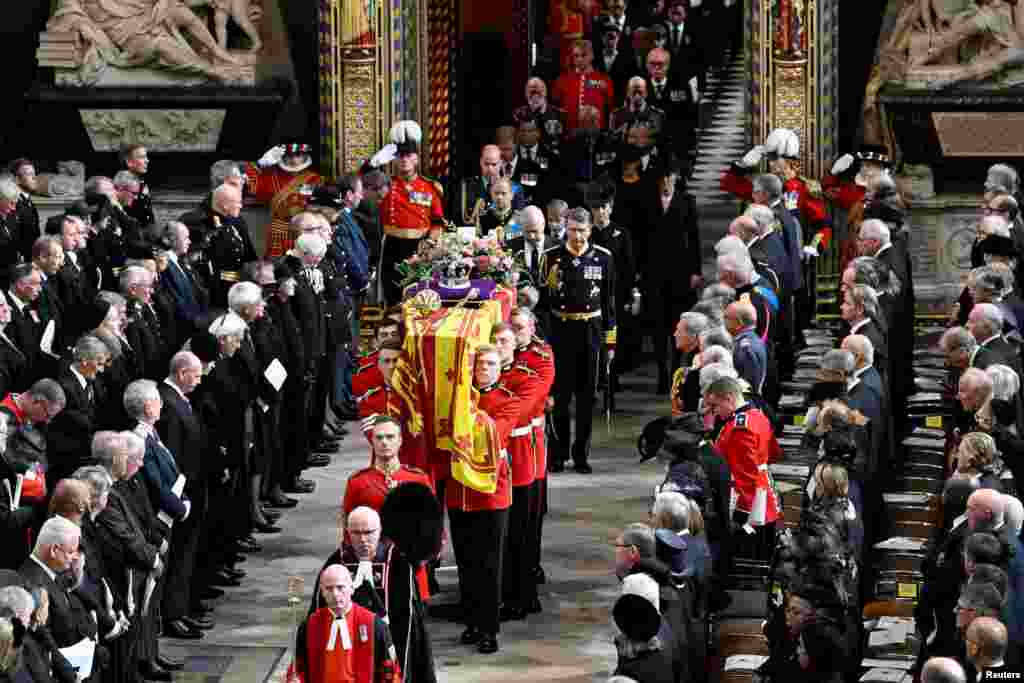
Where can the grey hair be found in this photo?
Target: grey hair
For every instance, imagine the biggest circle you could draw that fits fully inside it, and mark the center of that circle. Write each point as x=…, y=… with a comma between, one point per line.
x=22, y=271
x=696, y=323
x=989, y=281
x=711, y=309
x=979, y=381
x=731, y=244
x=867, y=298
x=182, y=360
x=48, y=390
x=1007, y=177
x=306, y=220
x=1005, y=382
x=131, y=276
x=311, y=244
x=558, y=205
x=642, y=536
x=97, y=477
x=736, y=263
x=875, y=229
x=244, y=294
x=113, y=298
x=763, y=216
x=579, y=215
x=104, y=444
x=14, y=599
x=136, y=394
x=92, y=185
x=221, y=170
x=716, y=336
x=866, y=271
x=716, y=354
x=712, y=372
x=8, y=188
x=674, y=508
x=770, y=184
x=89, y=347
x=838, y=359
x=716, y=290
x=228, y=325
x=56, y=531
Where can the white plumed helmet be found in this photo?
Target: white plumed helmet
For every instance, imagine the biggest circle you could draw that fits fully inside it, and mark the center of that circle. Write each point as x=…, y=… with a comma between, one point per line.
x=784, y=142
x=406, y=134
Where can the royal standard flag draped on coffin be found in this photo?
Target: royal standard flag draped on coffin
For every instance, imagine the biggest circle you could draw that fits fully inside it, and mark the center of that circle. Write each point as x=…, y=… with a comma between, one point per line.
x=434, y=376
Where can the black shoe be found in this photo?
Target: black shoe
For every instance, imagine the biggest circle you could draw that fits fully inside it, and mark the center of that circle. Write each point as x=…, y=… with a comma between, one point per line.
x=198, y=624
x=299, y=485
x=534, y=607
x=233, y=573
x=169, y=663
x=539, y=576
x=283, y=503
x=470, y=636
x=248, y=546
x=234, y=558
x=178, y=629
x=151, y=672
x=512, y=613
x=271, y=516
x=488, y=644
x=210, y=593
x=318, y=460
x=556, y=466
x=200, y=609
x=583, y=468
x=220, y=579
x=266, y=528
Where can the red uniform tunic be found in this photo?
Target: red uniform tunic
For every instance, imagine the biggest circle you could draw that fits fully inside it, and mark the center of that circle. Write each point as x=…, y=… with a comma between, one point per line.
x=748, y=444
x=573, y=90
x=526, y=384
x=503, y=407
x=380, y=399
x=802, y=197
x=849, y=196
x=284, y=192
x=411, y=208
x=538, y=357
x=363, y=662
x=370, y=486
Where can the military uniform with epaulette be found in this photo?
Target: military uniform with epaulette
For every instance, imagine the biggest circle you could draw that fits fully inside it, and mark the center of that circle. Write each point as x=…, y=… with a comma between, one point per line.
x=227, y=245
x=579, y=291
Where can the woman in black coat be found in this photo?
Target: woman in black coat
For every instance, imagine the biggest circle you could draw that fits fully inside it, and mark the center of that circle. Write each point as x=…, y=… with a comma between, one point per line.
x=41, y=659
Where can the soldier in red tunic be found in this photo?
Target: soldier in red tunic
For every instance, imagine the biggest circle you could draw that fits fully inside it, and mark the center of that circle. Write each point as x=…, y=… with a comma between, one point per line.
x=282, y=179
x=479, y=521
x=528, y=386
x=343, y=641
x=412, y=208
x=846, y=187
x=536, y=354
x=582, y=85
x=747, y=443
x=380, y=399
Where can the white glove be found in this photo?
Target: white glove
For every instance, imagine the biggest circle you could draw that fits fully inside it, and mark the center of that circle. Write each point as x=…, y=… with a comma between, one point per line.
x=272, y=157
x=158, y=567
x=164, y=547
x=842, y=164
x=752, y=158
x=386, y=155
x=188, y=503
x=810, y=252
x=118, y=630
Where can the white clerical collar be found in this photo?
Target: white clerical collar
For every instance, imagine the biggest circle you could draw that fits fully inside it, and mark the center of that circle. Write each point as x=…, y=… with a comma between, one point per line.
x=659, y=84
x=858, y=325
x=81, y=380
x=340, y=628
x=754, y=241
x=49, y=572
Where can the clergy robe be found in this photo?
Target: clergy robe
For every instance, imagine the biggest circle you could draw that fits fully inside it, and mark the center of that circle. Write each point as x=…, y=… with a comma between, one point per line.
x=321, y=658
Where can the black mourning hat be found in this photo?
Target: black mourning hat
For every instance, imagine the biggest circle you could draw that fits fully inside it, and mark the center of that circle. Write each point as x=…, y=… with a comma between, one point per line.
x=412, y=519
x=54, y=225
x=636, y=617
x=997, y=245
x=94, y=314
x=674, y=435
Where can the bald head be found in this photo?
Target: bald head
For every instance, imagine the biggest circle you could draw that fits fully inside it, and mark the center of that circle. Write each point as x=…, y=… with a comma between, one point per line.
x=942, y=670
x=490, y=161
x=986, y=641
x=739, y=315
x=336, y=588
x=731, y=244
x=986, y=510
x=744, y=227
x=763, y=217
x=975, y=388
x=862, y=349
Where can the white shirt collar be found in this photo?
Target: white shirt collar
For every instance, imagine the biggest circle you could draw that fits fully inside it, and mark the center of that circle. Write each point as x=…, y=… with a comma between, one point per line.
x=16, y=301
x=974, y=353
x=985, y=343
x=144, y=429
x=754, y=241
x=856, y=326
x=172, y=256
x=73, y=256
x=659, y=84
x=174, y=386
x=882, y=248
x=49, y=572
x=78, y=376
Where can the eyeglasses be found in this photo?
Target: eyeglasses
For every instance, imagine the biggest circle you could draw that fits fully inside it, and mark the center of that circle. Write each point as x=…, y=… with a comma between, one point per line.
x=367, y=532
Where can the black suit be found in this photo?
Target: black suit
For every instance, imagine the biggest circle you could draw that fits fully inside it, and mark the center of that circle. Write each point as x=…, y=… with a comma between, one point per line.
x=28, y=225
x=69, y=435
x=74, y=292
x=146, y=338
x=182, y=434
x=676, y=98
x=294, y=411
x=25, y=331
x=901, y=351
x=14, y=368
x=64, y=623
x=10, y=252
